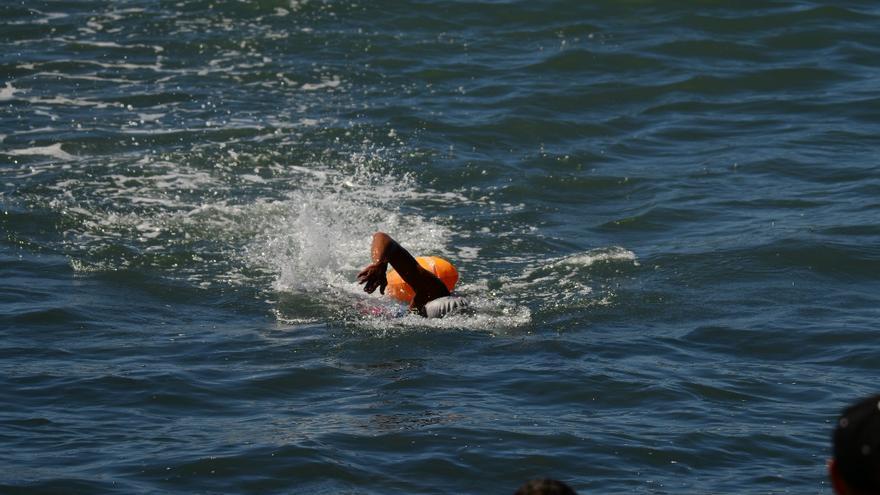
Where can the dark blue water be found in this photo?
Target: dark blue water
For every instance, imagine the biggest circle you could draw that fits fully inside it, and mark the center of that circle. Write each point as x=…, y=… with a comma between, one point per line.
x=666, y=213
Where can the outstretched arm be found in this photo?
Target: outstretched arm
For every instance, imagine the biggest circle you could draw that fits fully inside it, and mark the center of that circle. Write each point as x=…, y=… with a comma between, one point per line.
x=386, y=250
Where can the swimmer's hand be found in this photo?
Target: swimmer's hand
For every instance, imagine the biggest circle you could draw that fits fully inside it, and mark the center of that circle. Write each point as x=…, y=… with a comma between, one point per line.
x=373, y=276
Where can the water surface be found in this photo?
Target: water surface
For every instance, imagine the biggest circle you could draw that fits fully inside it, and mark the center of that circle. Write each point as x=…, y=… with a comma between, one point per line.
x=665, y=213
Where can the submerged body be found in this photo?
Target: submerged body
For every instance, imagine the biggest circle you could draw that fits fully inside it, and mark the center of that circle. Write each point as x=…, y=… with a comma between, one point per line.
x=426, y=293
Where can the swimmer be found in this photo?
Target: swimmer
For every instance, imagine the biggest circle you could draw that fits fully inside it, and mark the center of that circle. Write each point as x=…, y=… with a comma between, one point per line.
x=430, y=296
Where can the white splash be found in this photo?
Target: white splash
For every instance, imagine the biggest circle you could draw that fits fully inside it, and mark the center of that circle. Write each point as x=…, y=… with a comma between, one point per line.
x=300, y=249
x=566, y=282
x=322, y=235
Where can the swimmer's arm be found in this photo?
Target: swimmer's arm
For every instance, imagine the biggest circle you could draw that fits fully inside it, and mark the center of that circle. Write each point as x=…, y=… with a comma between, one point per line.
x=373, y=276
x=385, y=250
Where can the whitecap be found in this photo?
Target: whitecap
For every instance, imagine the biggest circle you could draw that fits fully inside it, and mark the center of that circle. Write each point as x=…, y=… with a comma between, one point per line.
x=612, y=253
x=61, y=100
x=330, y=83
x=8, y=92
x=53, y=150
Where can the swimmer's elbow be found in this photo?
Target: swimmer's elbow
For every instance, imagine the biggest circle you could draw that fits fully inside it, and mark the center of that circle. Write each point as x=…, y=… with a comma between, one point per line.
x=383, y=240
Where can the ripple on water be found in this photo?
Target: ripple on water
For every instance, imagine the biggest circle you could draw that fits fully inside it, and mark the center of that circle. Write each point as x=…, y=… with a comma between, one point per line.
x=664, y=216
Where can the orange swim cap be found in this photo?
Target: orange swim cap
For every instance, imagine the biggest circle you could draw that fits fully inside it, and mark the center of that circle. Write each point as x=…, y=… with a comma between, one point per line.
x=400, y=290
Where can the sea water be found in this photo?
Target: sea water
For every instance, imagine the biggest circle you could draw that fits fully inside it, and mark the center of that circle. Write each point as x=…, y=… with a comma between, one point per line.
x=665, y=213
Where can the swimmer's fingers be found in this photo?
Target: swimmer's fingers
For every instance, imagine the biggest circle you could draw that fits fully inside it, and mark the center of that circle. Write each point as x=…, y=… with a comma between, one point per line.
x=366, y=274
x=373, y=277
x=369, y=286
x=364, y=278
x=378, y=282
x=369, y=283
